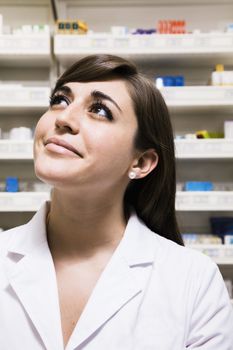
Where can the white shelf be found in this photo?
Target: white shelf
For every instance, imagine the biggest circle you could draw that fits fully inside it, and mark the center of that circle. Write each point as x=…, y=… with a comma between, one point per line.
x=185, y=149
x=210, y=48
x=185, y=201
x=204, y=149
x=204, y=201
x=222, y=254
x=22, y=201
x=25, y=50
x=25, y=97
x=198, y=97
x=16, y=150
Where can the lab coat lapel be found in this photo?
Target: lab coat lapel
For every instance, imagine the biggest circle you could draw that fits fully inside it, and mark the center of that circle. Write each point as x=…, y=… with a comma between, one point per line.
x=31, y=274
x=117, y=286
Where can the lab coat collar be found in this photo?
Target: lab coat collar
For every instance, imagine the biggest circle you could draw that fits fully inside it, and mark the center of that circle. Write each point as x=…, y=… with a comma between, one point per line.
x=135, y=244
x=30, y=235
x=30, y=271
x=33, y=279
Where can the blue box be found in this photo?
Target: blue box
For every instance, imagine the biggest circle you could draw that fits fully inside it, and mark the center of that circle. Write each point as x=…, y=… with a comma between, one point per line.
x=179, y=80
x=198, y=186
x=12, y=184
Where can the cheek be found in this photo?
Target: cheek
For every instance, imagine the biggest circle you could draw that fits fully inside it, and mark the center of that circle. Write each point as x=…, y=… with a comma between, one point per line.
x=42, y=126
x=113, y=147
x=41, y=130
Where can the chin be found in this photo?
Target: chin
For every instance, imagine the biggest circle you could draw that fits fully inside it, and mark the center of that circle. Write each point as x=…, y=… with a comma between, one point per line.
x=50, y=175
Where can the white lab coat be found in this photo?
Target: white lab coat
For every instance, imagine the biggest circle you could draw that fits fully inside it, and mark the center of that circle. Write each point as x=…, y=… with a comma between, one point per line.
x=152, y=295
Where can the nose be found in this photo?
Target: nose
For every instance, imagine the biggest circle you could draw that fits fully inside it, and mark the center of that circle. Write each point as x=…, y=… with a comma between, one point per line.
x=67, y=122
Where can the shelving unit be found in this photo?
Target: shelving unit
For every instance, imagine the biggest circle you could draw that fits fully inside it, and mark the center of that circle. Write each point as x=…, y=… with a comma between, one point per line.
x=27, y=71
x=16, y=150
x=204, y=149
x=221, y=254
x=194, y=107
x=204, y=201
x=199, y=97
x=185, y=149
x=22, y=201
x=25, y=97
x=210, y=48
x=25, y=50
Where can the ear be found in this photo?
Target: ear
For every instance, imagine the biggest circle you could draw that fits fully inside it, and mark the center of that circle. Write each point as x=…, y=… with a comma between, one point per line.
x=145, y=163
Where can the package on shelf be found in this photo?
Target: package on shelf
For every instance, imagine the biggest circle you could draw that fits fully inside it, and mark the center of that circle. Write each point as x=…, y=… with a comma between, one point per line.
x=228, y=239
x=23, y=41
x=171, y=26
x=41, y=187
x=194, y=238
x=217, y=251
x=229, y=28
x=1, y=24
x=228, y=129
x=31, y=29
x=223, y=186
x=23, y=95
x=222, y=226
x=169, y=80
x=229, y=287
x=22, y=201
x=203, y=148
x=204, y=200
x=71, y=27
x=12, y=184
x=119, y=30
x=142, y=31
x=205, y=186
x=16, y=149
x=221, y=77
x=20, y=133
x=198, y=95
x=198, y=186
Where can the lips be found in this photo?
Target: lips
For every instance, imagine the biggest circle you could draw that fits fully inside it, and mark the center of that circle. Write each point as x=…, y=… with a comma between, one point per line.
x=62, y=143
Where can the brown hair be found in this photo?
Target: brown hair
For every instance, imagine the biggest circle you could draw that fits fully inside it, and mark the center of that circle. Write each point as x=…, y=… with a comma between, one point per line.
x=152, y=197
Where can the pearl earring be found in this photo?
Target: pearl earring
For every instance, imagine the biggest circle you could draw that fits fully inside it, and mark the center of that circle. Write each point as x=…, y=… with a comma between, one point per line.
x=132, y=174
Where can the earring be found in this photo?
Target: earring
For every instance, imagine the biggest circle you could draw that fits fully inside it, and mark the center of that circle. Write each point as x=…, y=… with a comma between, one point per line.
x=132, y=174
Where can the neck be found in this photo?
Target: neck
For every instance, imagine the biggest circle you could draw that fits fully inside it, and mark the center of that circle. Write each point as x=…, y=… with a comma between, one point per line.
x=82, y=227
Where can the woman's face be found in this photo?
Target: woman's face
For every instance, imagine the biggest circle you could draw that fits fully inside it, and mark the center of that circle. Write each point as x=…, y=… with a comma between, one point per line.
x=86, y=138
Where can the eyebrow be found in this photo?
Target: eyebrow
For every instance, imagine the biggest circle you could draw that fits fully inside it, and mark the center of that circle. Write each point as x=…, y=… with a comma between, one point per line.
x=65, y=89
x=99, y=94
x=94, y=94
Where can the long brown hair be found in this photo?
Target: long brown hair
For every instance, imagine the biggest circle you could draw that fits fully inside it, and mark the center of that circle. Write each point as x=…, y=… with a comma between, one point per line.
x=152, y=197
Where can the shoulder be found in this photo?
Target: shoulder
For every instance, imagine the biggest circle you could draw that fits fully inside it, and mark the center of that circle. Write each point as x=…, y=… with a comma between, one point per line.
x=171, y=255
x=6, y=237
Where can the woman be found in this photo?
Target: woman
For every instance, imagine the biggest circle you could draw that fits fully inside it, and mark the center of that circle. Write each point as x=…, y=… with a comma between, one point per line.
x=102, y=266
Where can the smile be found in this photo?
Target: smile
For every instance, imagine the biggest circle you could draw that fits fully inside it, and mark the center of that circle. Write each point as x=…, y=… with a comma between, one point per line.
x=59, y=146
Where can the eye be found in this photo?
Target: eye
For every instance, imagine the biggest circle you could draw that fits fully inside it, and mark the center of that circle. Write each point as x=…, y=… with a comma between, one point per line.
x=102, y=110
x=59, y=100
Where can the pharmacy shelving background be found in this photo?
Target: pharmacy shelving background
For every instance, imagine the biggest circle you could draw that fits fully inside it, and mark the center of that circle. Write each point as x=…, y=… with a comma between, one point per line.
x=31, y=61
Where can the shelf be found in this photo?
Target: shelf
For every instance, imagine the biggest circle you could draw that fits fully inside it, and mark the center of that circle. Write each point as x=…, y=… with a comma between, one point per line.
x=204, y=149
x=222, y=254
x=16, y=150
x=133, y=3
x=185, y=149
x=28, y=98
x=198, y=97
x=204, y=201
x=185, y=49
x=26, y=50
x=22, y=201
